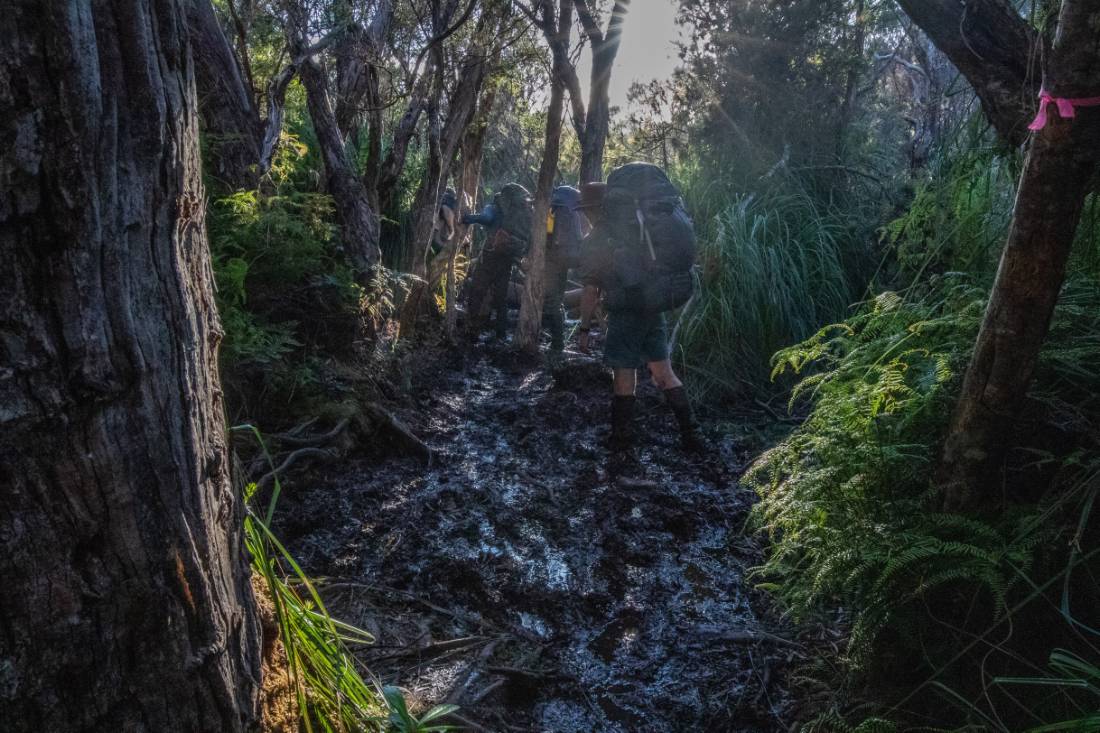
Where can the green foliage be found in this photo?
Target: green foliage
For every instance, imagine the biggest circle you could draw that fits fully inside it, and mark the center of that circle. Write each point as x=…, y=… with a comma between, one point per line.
x=772, y=274
x=847, y=499
x=958, y=218
x=331, y=692
x=284, y=291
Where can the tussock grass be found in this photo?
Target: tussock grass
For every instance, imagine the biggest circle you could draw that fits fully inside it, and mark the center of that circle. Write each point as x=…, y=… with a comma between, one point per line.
x=773, y=272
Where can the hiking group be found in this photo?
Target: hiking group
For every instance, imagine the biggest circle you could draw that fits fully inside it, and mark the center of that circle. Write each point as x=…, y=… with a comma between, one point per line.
x=631, y=244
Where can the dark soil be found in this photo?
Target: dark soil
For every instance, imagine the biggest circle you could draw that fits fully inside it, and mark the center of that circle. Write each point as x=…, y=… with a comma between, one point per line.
x=519, y=578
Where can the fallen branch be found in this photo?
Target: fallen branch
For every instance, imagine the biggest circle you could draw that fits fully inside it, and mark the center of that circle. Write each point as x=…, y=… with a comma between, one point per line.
x=409, y=442
x=290, y=460
x=754, y=637
x=293, y=437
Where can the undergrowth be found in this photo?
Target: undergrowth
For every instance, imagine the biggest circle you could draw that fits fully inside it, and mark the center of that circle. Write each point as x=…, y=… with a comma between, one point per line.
x=772, y=273
x=333, y=691
x=848, y=501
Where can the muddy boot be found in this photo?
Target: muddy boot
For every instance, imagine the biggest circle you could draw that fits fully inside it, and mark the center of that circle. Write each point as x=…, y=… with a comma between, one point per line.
x=690, y=440
x=622, y=424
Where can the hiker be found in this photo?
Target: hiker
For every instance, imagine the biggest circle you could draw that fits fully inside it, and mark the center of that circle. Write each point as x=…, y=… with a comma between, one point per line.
x=507, y=221
x=638, y=257
x=444, y=230
x=563, y=241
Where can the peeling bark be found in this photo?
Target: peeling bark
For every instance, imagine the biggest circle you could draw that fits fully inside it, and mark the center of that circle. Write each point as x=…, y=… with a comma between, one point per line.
x=126, y=603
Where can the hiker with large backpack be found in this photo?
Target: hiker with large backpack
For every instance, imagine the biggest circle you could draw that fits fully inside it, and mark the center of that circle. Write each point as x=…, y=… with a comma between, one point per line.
x=563, y=243
x=638, y=258
x=507, y=222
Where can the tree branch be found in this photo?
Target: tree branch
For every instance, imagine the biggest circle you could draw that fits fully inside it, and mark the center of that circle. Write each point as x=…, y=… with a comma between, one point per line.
x=588, y=22
x=994, y=48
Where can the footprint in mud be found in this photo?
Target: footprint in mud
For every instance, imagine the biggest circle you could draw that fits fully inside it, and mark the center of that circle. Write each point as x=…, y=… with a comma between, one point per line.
x=593, y=590
x=618, y=636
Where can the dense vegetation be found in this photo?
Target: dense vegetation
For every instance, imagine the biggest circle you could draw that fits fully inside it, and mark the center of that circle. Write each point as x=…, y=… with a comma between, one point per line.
x=853, y=188
x=844, y=269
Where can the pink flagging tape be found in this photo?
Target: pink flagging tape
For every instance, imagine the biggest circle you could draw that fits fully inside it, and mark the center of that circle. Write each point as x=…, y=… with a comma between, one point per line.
x=1066, y=107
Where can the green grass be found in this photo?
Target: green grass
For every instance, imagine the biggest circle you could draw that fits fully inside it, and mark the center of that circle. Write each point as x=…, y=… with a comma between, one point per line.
x=334, y=692
x=773, y=272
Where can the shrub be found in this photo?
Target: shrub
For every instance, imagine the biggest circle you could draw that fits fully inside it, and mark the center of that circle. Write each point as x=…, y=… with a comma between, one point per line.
x=848, y=501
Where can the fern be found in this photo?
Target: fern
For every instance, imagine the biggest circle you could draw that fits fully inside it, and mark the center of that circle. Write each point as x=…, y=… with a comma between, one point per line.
x=847, y=500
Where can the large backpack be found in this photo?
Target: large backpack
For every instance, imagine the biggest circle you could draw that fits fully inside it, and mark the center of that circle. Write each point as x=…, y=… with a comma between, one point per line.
x=566, y=239
x=513, y=201
x=654, y=240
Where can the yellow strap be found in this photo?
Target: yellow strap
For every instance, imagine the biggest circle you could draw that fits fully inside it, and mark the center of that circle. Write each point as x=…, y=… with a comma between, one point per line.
x=550, y=223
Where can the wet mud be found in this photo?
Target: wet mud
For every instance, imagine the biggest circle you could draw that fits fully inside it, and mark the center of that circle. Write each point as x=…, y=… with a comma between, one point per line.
x=520, y=578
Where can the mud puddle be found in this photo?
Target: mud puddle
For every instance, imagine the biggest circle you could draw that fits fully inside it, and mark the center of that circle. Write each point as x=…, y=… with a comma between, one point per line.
x=519, y=579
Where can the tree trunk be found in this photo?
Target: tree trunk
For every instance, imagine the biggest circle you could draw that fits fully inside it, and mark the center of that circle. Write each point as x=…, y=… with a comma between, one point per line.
x=359, y=226
x=460, y=110
x=231, y=125
x=854, y=71
x=126, y=603
x=473, y=149
x=605, y=47
x=1052, y=190
x=994, y=48
x=529, y=327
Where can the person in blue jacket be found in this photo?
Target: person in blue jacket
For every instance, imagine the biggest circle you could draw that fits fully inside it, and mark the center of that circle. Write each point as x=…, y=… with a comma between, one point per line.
x=507, y=224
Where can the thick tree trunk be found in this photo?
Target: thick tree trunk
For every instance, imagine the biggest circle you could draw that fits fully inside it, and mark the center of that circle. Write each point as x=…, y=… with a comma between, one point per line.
x=529, y=327
x=1052, y=190
x=231, y=125
x=126, y=603
x=994, y=48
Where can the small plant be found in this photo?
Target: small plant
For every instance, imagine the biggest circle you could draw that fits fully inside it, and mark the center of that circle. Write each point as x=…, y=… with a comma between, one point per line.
x=402, y=721
x=1070, y=673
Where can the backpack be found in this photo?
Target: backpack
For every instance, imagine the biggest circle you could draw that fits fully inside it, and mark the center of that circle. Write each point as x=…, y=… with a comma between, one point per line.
x=565, y=241
x=654, y=238
x=514, y=204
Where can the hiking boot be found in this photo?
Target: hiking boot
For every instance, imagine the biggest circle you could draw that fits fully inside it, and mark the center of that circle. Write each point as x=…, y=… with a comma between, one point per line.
x=690, y=440
x=622, y=423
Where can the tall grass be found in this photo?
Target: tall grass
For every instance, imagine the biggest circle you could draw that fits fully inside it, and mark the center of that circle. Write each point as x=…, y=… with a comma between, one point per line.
x=334, y=692
x=773, y=272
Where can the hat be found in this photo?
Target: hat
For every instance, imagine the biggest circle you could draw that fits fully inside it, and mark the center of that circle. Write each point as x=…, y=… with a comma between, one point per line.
x=592, y=195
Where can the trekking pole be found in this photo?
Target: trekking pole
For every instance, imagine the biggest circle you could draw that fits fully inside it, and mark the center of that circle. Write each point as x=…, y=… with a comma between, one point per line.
x=696, y=288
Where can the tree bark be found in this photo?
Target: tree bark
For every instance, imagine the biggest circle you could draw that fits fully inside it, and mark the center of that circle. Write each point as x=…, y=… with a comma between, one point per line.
x=994, y=48
x=126, y=604
x=529, y=327
x=231, y=124
x=605, y=47
x=1051, y=194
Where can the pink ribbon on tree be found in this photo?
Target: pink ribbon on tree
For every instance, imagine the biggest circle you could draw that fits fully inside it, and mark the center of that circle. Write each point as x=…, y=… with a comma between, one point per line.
x=1065, y=106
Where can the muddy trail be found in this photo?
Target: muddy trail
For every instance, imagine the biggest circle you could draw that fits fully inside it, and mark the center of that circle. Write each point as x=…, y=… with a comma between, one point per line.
x=516, y=577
